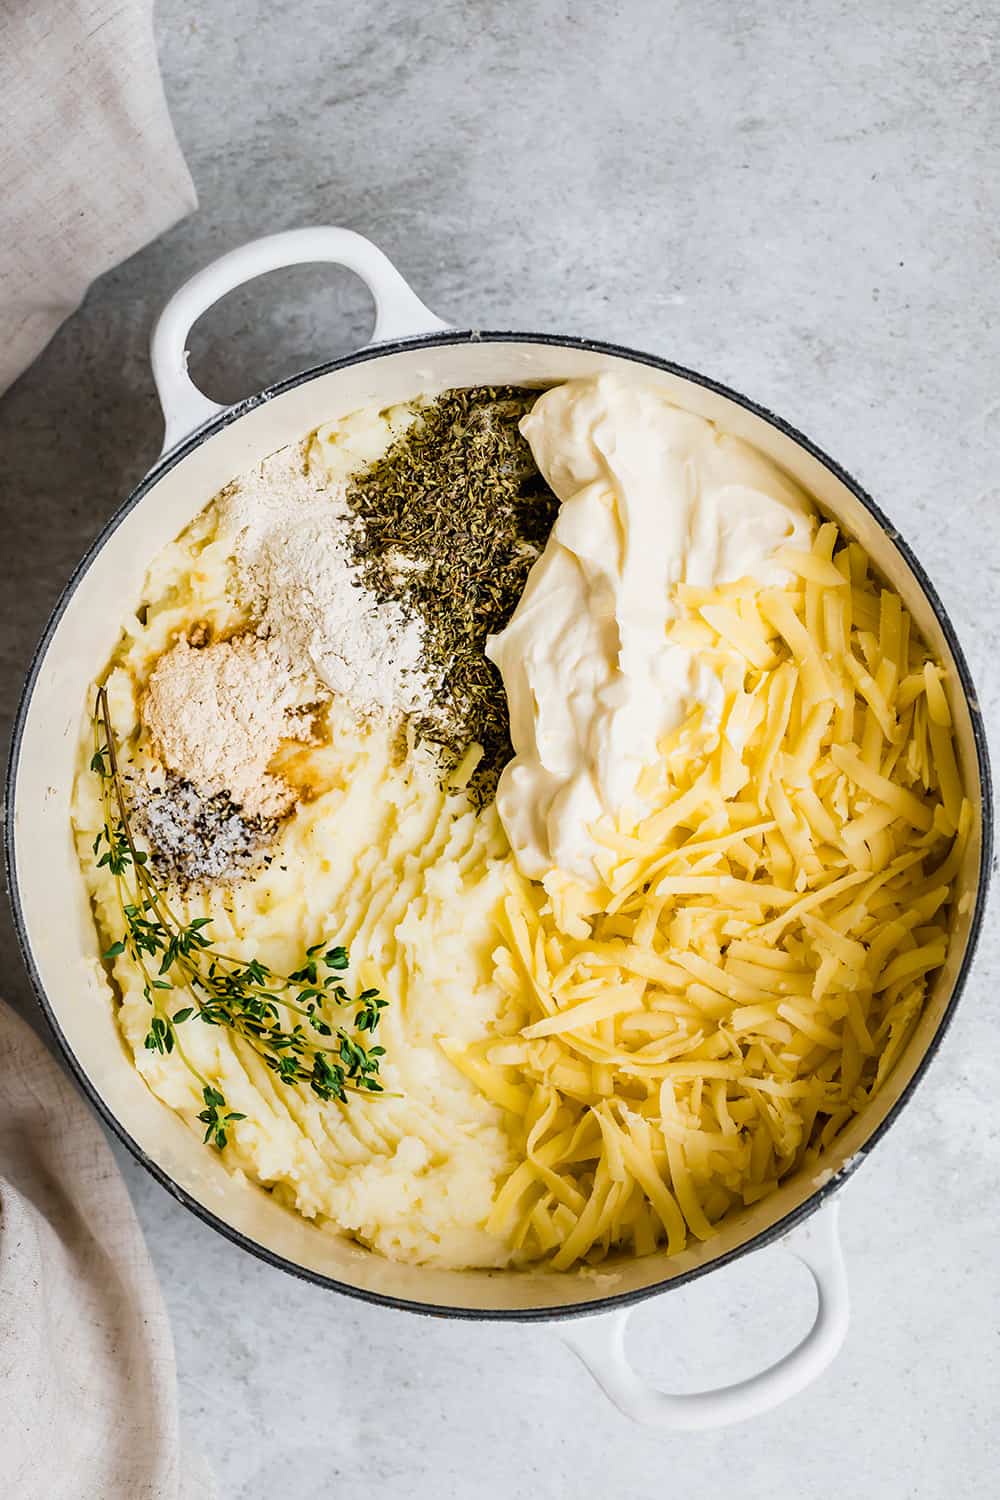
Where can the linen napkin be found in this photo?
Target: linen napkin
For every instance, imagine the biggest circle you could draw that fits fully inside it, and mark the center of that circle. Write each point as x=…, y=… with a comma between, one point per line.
x=90, y=171
x=90, y=168
x=88, y=1391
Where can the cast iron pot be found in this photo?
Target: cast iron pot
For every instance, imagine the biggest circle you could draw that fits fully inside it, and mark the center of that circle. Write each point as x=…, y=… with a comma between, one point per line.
x=204, y=447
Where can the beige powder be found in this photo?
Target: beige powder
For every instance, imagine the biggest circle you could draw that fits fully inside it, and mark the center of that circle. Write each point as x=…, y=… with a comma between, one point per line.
x=217, y=714
x=289, y=531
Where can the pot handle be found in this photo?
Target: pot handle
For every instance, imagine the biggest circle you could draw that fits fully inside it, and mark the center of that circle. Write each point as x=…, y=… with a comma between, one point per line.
x=399, y=313
x=600, y=1343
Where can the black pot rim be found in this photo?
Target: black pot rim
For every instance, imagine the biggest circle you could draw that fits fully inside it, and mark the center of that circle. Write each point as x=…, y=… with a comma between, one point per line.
x=822, y=1194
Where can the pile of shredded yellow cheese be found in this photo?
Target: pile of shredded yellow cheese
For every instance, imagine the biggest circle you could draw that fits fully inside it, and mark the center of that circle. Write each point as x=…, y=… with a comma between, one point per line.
x=764, y=938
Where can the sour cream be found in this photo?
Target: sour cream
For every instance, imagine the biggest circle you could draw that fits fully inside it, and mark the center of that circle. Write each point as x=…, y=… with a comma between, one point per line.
x=652, y=496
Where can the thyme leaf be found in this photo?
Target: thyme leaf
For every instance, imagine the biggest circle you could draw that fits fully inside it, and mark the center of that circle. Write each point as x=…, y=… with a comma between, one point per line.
x=278, y=1017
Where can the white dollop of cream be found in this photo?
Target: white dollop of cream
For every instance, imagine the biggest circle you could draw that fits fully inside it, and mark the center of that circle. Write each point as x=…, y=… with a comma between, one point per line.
x=652, y=496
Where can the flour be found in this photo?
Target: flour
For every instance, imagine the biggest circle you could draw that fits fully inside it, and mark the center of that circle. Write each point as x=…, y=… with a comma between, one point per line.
x=216, y=715
x=289, y=532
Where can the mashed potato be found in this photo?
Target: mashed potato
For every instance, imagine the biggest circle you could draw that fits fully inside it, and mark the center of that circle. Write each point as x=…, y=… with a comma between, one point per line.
x=410, y=878
x=569, y=1071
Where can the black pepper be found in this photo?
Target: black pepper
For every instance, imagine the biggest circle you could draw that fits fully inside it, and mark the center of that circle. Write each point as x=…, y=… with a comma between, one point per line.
x=195, y=840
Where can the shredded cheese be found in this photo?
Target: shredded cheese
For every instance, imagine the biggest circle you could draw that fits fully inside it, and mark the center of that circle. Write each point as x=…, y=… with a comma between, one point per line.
x=767, y=933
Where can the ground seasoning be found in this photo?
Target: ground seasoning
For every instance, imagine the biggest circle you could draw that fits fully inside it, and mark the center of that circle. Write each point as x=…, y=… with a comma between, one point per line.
x=196, y=840
x=453, y=516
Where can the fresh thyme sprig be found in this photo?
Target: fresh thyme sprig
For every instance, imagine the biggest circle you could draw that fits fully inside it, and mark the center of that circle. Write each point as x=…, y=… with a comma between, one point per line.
x=284, y=1019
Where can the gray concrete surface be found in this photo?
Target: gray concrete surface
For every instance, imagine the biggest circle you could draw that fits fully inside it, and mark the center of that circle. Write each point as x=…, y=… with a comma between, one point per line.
x=801, y=199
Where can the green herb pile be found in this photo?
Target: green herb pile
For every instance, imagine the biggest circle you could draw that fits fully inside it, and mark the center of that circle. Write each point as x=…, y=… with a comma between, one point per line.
x=453, y=516
x=285, y=1019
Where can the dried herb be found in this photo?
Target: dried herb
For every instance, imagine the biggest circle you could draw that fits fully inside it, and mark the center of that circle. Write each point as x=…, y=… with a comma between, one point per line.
x=453, y=516
x=284, y=1019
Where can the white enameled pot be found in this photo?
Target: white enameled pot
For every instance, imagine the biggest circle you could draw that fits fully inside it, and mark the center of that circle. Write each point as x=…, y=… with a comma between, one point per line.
x=204, y=447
